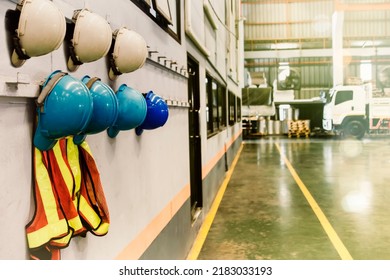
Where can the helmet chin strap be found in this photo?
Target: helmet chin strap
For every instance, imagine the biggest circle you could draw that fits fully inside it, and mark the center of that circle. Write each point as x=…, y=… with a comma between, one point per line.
x=91, y=82
x=18, y=48
x=114, y=71
x=48, y=88
x=75, y=59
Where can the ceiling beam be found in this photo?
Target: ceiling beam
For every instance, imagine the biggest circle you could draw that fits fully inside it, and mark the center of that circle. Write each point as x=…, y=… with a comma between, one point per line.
x=347, y=52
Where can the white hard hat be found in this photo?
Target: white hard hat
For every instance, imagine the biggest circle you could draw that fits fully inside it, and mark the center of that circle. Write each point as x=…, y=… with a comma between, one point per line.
x=129, y=52
x=41, y=30
x=91, y=40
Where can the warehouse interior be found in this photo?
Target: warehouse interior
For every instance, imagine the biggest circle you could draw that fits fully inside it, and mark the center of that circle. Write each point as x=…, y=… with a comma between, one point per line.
x=320, y=44
x=300, y=191
x=179, y=129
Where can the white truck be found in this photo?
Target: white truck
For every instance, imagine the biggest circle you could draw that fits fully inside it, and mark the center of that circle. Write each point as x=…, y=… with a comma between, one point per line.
x=354, y=110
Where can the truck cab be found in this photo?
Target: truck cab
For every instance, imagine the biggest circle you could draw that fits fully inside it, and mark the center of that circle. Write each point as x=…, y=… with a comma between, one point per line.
x=346, y=109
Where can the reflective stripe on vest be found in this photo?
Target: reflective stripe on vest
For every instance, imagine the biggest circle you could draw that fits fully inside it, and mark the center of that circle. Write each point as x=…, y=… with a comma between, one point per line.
x=64, y=183
x=49, y=220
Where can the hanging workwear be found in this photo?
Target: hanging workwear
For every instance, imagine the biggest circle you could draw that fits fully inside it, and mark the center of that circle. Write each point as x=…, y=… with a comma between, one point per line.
x=41, y=30
x=91, y=38
x=69, y=199
x=64, y=184
x=64, y=108
x=157, y=113
x=63, y=177
x=49, y=220
x=93, y=204
x=105, y=108
x=128, y=52
x=132, y=110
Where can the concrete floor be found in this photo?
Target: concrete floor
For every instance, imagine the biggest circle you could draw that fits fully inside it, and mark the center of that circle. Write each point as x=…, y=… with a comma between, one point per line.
x=267, y=212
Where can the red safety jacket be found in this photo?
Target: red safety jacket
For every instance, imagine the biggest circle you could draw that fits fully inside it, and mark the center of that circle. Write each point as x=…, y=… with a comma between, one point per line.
x=69, y=199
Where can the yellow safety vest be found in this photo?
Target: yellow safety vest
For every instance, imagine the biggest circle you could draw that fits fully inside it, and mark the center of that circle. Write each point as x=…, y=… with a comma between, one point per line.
x=69, y=199
x=49, y=220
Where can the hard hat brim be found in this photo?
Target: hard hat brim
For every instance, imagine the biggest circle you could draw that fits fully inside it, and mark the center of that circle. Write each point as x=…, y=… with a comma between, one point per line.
x=139, y=131
x=112, y=132
x=78, y=139
x=43, y=143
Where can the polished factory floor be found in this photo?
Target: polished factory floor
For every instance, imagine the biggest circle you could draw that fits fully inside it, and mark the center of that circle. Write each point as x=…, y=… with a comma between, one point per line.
x=305, y=199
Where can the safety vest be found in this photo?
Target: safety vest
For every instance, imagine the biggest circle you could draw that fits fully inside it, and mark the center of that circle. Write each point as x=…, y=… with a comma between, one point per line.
x=49, y=220
x=69, y=199
x=65, y=186
x=92, y=206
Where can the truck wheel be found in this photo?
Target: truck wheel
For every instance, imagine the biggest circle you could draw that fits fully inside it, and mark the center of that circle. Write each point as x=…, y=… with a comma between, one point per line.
x=354, y=129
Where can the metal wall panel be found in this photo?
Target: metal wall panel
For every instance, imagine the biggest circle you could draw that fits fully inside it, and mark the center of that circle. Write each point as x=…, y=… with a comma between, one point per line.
x=366, y=23
x=141, y=201
x=287, y=20
x=262, y=21
x=308, y=25
x=299, y=20
x=313, y=19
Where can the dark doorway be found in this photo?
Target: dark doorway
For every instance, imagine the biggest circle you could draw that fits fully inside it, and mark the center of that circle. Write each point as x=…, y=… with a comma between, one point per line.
x=195, y=139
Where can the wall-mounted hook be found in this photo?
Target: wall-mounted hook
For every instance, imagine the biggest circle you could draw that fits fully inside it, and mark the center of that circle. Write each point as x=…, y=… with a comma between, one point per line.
x=160, y=58
x=166, y=64
x=152, y=52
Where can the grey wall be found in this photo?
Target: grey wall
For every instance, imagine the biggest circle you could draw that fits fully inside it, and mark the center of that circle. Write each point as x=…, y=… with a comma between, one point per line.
x=145, y=178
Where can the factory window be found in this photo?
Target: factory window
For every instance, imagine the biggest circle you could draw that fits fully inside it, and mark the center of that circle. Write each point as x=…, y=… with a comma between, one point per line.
x=208, y=113
x=232, y=108
x=166, y=13
x=238, y=109
x=343, y=96
x=222, y=106
x=216, y=107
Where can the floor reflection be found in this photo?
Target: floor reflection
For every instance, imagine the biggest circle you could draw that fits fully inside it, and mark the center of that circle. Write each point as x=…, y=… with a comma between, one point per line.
x=265, y=216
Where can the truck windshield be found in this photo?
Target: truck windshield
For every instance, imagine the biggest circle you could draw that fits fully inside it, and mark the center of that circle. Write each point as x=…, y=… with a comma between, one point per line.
x=329, y=95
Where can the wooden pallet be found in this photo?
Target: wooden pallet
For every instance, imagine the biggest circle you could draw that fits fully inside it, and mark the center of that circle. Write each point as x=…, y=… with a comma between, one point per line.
x=298, y=134
x=299, y=128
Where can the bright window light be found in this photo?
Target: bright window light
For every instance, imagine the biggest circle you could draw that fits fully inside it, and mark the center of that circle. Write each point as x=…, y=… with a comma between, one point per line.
x=366, y=70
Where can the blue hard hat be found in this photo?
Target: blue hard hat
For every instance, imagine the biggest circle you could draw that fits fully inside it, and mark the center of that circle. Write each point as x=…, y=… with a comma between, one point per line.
x=64, y=108
x=105, y=108
x=132, y=110
x=157, y=114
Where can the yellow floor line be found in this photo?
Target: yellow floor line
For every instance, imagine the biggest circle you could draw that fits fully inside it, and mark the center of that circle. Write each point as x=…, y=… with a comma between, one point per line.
x=204, y=229
x=334, y=238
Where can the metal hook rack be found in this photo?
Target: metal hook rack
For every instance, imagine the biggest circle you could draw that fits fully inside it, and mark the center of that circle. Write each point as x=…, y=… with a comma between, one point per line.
x=168, y=64
x=177, y=103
